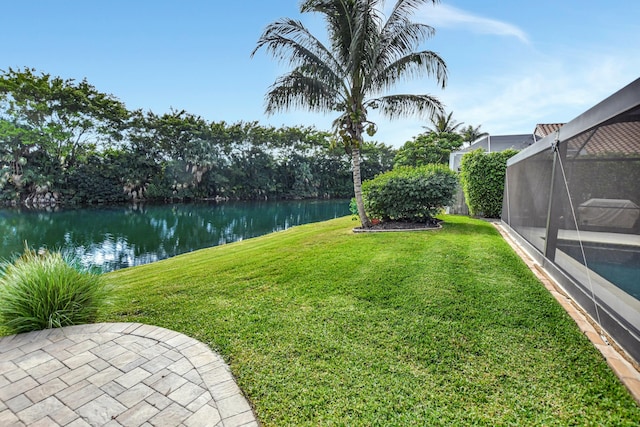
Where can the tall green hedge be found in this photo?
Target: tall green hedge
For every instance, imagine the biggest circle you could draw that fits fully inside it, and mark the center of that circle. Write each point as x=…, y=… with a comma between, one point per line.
x=482, y=177
x=409, y=194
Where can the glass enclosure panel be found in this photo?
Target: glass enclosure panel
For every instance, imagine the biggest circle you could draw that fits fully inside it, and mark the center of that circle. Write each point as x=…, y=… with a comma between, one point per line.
x=602, y=168
x=527, y=193
x=577, y=201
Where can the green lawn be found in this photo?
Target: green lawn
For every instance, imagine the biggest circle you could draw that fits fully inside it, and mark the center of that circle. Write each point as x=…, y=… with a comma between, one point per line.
x=325, y=327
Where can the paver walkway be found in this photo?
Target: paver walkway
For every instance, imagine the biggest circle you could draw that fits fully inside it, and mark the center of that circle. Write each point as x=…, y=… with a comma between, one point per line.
x=114, y=374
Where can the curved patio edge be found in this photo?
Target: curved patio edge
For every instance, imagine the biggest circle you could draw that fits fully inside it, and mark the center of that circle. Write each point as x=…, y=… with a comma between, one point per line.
x=117, y=372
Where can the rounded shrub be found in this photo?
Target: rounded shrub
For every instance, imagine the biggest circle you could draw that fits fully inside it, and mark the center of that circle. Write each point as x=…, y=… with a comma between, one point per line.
x=409, y=194
x=48, y=290
x=482, y=177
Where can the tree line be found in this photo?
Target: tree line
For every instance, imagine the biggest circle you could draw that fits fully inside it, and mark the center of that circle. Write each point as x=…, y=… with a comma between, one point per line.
x=65, y=141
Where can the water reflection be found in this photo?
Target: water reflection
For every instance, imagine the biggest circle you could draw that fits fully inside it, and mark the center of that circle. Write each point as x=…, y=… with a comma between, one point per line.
x=118, y=237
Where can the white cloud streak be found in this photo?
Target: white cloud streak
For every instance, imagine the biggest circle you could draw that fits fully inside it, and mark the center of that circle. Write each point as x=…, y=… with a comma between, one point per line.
x=557, y=90
x=446, y=16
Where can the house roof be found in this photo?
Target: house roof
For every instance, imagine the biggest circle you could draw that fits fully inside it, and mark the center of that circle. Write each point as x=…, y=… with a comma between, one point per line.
x=621, y=138
x=544, y=129
x=491, y=143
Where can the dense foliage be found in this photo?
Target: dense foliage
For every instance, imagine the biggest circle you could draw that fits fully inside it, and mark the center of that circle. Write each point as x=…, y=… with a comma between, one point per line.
x=47, y=290
x=410, y=194
x=435, y=145
x=428, y=148
x=482, y=177
x=64, y=141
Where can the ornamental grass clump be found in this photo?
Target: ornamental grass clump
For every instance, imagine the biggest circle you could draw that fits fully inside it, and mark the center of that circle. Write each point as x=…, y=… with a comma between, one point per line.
x=48, y=290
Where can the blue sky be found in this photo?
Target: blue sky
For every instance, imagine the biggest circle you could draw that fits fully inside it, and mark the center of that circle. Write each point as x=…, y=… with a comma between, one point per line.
x=512, y=64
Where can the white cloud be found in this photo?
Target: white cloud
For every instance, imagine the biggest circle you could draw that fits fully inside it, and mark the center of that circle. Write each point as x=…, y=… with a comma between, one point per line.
x=556, y=90
x=443, y=15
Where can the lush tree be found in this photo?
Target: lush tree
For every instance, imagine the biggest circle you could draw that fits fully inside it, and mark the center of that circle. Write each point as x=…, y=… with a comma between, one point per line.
x=377, y=158
x=59, y=121
x=239, y=161
x=331, y=168
x=82, y=154
x=428, y=148
x=68, y=114
x=15, y=141
x=367, y=54
x=188, y=148
x=98, y=179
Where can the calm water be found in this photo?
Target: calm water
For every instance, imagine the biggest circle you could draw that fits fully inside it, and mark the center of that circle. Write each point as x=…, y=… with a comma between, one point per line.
x=618, y=264
x=124, y=236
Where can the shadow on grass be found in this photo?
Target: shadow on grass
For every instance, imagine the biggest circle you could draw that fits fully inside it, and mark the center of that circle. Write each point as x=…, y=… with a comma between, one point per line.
x=466, y=225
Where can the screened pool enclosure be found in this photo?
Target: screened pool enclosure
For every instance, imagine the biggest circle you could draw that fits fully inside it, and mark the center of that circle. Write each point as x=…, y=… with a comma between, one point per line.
x=572, y=200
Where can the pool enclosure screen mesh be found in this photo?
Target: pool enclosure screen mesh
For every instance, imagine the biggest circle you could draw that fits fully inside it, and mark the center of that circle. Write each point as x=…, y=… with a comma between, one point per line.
x=573, y=199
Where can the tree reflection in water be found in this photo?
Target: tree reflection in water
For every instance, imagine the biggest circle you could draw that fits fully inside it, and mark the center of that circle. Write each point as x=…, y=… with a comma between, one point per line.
x=123, y=236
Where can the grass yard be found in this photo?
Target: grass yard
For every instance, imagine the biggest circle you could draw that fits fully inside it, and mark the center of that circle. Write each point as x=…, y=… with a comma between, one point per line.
x=325, y=327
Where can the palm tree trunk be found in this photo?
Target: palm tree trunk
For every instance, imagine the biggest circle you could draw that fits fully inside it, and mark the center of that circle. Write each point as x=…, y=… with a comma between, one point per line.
x=357, y=187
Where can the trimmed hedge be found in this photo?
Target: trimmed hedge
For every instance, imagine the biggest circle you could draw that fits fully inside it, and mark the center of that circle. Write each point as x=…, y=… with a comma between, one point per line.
x=482, y=177
x=409, y=194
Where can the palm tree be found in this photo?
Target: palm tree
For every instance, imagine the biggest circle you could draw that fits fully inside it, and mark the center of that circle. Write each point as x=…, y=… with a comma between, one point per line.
x=470, y=133
x=442, y=123
x=366, y=56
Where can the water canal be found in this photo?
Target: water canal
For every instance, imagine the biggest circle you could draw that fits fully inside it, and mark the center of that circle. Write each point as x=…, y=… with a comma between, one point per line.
x=123, y=236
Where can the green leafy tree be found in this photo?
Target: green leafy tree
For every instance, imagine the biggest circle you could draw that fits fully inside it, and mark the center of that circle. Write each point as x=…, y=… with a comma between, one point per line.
x=428, y=148
x=15, y=142
x=61, y=121
x=189, y=147
x=377, y=158
x=331, y=168
x=98, y=179
x=367, y=53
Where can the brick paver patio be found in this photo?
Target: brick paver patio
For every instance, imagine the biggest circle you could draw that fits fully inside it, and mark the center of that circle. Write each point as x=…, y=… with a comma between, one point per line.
x=114, y=374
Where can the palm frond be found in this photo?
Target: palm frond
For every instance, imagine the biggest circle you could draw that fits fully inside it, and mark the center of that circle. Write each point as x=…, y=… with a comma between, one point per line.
x=365, y=33
x=401, y=40
x=418, y=64
x=404, y=9
x=405, y=105
x=340, y=19
x=398, y=30
x=290, y=41
x=299, y=90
